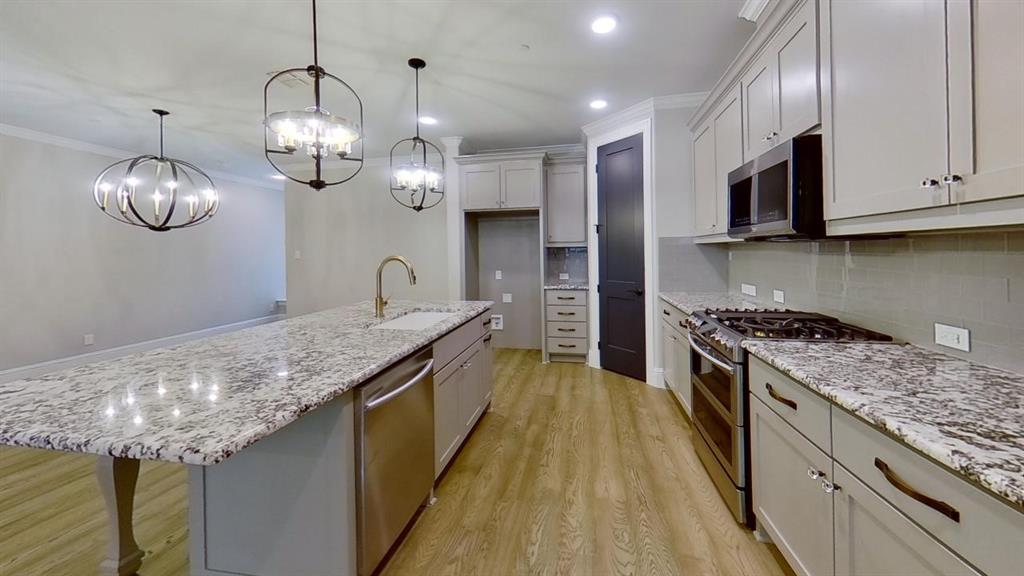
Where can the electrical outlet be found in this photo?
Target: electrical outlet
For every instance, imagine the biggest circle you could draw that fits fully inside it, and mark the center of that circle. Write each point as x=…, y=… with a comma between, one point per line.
x=779, y=296
x=506, y=298
x=953, y=337
x=748, y=289
x=497, y=322
x=563, y=276
x=497, y=274
x=298, y=254
x=88, y=339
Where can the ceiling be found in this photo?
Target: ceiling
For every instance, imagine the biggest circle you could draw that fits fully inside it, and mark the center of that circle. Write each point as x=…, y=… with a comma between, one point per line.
x=501, y=74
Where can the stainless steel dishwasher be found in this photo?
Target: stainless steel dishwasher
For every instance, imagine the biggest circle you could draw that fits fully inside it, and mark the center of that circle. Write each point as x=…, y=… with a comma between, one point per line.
x=394, y=420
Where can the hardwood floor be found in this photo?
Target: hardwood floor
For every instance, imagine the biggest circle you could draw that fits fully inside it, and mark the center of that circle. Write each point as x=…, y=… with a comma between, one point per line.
x=575, y=471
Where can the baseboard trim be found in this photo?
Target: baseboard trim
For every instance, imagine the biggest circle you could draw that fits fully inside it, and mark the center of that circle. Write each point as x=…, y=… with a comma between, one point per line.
x=33, y=370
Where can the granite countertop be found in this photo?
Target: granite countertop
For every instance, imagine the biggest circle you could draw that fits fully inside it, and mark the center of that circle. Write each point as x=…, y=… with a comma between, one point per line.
x=567, y=286
x=204, y=400
x=690, y=302
x=965, y=416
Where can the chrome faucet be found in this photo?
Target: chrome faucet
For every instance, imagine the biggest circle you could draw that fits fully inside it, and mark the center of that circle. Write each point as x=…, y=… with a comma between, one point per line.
x=380, y=303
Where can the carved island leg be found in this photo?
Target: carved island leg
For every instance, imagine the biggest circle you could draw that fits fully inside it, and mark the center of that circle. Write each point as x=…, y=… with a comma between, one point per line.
x=117, y=478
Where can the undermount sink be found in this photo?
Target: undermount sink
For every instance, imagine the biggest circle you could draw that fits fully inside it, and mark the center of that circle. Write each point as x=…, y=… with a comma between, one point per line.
x=415, y=321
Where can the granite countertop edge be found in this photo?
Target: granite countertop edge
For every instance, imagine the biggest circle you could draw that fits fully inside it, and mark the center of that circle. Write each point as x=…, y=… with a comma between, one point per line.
x=989, y=468
x=690, y=302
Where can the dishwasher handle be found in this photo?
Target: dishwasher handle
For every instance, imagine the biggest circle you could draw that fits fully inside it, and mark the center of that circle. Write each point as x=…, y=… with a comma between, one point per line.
x=384, y=399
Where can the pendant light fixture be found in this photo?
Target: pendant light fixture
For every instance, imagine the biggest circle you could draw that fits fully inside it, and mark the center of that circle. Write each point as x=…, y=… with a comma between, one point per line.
x=415, y=183
x=314, y=130
x=149, y=191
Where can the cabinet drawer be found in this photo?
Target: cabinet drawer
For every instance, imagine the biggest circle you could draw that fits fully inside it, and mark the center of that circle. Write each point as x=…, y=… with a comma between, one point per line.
x=567, y=313
x=980, y=528
x=567, y=345
x=672, y=315
x=567, y=329
x=566, y=297
x=800, y=407
x=452, y=344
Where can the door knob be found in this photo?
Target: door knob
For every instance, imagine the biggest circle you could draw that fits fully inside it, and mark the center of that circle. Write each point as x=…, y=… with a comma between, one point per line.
x=637, y=291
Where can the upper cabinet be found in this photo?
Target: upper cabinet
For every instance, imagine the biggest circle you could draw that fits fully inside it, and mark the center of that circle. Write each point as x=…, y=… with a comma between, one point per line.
x=923, y=108
x=704, y=192
x=566, y=203
x=492, y=183
x=759, y=131
x=717, y=149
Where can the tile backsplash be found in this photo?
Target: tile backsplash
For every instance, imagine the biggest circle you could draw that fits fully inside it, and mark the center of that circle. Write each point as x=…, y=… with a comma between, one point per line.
x=902, y=286
x=690, y=267
x=571, y=261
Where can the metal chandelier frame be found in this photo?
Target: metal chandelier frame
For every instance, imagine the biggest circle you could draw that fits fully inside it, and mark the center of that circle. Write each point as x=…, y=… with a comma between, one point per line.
x=422, y=145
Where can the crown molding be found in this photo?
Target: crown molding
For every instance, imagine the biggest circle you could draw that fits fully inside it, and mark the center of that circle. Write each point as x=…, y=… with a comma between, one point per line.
x=511, y=154
x=116, y=153
x=642, y=110
x=752, y=9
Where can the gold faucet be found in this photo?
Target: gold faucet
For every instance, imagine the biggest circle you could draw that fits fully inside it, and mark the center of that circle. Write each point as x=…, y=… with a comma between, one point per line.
x=380, y=303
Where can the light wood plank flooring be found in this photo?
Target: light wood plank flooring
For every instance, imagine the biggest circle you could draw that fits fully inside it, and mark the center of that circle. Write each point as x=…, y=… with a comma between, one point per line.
x=575, y=471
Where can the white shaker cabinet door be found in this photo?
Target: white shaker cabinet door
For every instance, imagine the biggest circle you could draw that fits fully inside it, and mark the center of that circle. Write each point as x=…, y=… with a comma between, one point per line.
x=728, y=153
x=481, y=187
x=886, y=117
x=704, y=175
x=566, y=204
x=681, y=364
x=872, y=537
x=986, y=89
x=759, y=133
x=521, y=182
x=795, y=63
x=668, y=336
x=790, y=504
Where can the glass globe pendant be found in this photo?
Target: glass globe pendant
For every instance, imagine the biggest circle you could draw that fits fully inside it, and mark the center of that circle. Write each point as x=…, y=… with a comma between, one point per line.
x=323, y=136
x=156, y=192
x=415, y=182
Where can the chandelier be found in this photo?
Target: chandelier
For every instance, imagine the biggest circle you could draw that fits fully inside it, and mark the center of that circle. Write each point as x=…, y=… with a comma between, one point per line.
x=314, y=130
x=156, y=192
x=415, y=183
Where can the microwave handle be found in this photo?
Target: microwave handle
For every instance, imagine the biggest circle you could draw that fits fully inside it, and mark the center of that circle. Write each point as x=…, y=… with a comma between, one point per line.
x=693, y=345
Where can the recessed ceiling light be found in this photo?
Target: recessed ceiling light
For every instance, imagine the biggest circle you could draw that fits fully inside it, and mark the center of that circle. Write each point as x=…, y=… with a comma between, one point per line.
x=428, y=120
x=598, y=104
x=278, y=177
x=603, y=25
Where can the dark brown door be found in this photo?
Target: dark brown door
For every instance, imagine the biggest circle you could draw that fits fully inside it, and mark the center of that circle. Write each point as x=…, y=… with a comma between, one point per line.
x=620, y=218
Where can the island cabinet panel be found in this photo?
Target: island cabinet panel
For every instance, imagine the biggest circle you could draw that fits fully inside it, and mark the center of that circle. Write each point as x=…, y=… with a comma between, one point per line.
x=872, y=537
x=983, y=530
x=887, y=124
x=448, y=424
x=285, y=505
x=470, y=391
x=789, y=499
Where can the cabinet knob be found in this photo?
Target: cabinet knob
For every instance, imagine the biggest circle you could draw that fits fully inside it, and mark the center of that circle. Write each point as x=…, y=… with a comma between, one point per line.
x=929, y=183
x=814, y=474
x=951, y=179
x=828, y=487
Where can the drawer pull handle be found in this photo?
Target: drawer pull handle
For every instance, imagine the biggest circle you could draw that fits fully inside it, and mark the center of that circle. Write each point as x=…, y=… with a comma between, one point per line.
x=566, y=345
x=566, y=297
x=566, y=313
x=681, y=324
x=566, y=329
x=901, y=485
x=666, y=312
x=487, y=338
x=779, y=397
x=487, y=322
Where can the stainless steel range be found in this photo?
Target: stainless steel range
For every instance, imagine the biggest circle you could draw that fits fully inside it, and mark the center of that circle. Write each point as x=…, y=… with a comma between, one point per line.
x=718, y=372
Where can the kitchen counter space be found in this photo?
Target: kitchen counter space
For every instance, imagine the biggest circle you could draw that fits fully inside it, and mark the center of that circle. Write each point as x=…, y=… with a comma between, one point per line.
x=690, y=302
x=202, y=401
x=965, y=416
x=567, y=286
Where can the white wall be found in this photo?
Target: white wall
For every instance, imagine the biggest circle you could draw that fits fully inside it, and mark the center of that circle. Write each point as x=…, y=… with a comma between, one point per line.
x=673, y=172
x=67, y=270
x=343, y=232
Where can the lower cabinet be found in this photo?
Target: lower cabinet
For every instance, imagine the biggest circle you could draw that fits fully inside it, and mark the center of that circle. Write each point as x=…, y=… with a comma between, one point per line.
x=675, y=351
x=872, y=537
x=790, y=479
x=462, y=390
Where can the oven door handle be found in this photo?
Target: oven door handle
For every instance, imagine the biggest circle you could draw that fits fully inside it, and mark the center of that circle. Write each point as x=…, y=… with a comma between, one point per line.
x=693, y=345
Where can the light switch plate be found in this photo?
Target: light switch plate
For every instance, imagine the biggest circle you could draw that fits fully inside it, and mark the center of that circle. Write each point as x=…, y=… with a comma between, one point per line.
x=497, y=322
x=506, y=298
x=298, y=254
x=779, y=296
x=563, y=276
x=497, y=274
x=953, y=337
x=748, y=289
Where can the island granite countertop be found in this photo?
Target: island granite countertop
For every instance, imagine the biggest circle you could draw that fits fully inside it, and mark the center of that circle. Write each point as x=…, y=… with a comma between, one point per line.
x=202, y=401
x=690, y=302
x=965, y=416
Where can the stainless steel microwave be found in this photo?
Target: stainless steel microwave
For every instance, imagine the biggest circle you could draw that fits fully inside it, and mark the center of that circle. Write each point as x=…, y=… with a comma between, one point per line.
x=778, y=195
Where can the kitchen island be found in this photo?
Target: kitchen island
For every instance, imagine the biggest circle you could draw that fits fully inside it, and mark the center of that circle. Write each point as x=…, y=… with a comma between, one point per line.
x=201, y=402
